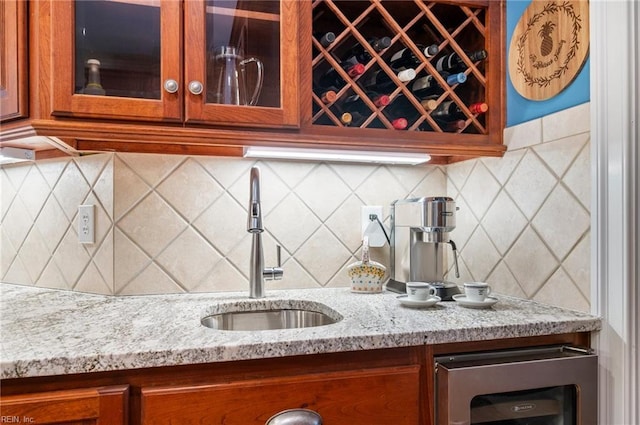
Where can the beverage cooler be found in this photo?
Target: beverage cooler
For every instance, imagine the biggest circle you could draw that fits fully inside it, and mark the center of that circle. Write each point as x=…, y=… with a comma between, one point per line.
x=538, y=386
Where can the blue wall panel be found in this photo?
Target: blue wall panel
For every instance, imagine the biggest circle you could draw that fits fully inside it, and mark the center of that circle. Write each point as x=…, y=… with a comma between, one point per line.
x=520, y=109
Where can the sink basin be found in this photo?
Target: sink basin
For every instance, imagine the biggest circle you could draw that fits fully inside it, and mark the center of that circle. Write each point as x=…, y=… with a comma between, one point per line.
x=252, y=317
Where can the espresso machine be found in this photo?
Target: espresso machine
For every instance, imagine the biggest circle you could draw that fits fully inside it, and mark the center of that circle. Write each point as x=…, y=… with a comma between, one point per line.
x=420, y=229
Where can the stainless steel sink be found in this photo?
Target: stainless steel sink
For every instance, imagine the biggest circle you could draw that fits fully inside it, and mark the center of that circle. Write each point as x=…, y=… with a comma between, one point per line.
x=269, y=319
x=266, y=320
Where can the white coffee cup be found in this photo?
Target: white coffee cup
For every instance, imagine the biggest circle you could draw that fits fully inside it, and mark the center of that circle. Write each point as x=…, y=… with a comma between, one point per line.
x=420, y=291
x=477, y=291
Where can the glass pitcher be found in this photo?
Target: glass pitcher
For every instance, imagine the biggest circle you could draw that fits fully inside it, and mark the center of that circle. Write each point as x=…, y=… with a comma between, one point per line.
x=230, y=85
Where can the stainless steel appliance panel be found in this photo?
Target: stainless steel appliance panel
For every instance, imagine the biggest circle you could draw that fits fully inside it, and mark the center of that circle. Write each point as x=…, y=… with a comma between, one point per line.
x=461, y=378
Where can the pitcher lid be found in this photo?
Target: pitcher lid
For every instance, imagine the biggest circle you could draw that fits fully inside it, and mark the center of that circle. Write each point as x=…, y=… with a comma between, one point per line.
x=227, y=51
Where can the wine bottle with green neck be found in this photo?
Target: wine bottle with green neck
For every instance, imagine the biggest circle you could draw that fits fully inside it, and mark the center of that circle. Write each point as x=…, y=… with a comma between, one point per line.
x=453, y=62
x=361, y=54
x=406, y=58
x=427, y=85
x=331, y=78
x=380, y=82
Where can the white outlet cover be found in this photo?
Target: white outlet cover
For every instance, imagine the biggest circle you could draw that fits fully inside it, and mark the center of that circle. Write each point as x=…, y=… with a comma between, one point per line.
x=372, y=229
x=86, y=224
x=366, y=211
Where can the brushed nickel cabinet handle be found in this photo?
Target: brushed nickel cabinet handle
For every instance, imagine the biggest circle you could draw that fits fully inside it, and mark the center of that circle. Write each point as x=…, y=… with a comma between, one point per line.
x=196, y=87
x=171, y=86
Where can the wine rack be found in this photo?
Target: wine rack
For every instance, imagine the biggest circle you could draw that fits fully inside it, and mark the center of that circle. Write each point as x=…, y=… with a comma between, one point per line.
x=455, y=27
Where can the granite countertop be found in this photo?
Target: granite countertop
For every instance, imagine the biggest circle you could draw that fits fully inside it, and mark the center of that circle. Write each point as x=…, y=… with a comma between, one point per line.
x=54, y=332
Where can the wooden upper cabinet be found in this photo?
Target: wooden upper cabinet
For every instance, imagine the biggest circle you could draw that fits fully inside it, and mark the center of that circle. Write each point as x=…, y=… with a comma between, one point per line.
x=228, y=63
x=86, y=406
x=214, y=76
x=426, y=71
x=13, y=60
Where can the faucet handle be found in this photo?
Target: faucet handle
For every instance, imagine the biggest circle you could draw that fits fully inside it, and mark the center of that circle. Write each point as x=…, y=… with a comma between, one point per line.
x=275, y=273
x=455, y=256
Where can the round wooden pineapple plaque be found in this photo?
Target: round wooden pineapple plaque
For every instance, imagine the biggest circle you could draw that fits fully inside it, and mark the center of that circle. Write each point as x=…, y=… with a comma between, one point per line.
x=549, y=47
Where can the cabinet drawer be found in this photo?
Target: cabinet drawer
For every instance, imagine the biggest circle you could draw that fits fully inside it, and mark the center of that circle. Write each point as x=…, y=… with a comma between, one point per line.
x=86, y=406
x=370, y=396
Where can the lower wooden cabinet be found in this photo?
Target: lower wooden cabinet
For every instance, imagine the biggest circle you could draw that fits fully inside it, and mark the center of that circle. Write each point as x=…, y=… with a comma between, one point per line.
x=86, y=406
x=369, y=387
x=371, y=396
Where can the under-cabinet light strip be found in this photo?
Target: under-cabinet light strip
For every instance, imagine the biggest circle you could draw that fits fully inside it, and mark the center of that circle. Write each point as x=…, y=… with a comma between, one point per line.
x=10, y=155
x=336, y=155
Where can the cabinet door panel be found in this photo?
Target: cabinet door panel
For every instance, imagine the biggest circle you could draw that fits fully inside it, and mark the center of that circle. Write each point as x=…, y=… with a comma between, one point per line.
x=375, y=396
x=135, y=47
x=99, y=406
x=229, y=48
x=13, y=60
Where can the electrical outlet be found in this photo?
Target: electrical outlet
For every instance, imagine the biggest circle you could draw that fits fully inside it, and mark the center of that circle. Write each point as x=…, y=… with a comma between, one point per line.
x=364, y=217
x=86, y=224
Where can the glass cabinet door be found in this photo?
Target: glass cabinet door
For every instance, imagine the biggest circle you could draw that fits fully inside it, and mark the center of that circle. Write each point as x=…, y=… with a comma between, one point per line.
x=123, y=63
x=241, y=62
x=119, y=59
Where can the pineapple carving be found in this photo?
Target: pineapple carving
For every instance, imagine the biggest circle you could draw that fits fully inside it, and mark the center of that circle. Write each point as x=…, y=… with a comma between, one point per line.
x=549, y=46
x=546, y=45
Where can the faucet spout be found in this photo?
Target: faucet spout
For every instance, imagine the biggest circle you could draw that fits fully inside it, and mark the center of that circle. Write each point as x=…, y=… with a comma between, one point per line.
x=254, y=222
x=257, y=272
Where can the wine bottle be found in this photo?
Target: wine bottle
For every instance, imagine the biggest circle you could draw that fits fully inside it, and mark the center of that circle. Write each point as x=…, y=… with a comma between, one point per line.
x=332, y=78
x=406, y=58
x=325, y=39
x=359, y=110
x=429, y=103
x=454, y=63
x=401, y=108
x=452, y=126
x=346, y=118
x=326, y=94
x=401, y=112
x=380, y=82
x=448, y=126
x=427, y=85
x=450, y=111
x=361, y=54
x=398, y=123
x=357, y=118
x=478, y=108
x=355, y=102
x=93, y=79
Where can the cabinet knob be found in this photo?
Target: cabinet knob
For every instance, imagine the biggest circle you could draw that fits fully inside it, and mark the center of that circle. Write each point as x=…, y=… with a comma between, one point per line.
x=195, y=87
x=171, y=86
x=295, y=416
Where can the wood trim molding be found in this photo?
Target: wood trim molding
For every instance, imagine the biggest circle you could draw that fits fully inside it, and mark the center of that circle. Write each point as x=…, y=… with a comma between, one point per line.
x=615, y=206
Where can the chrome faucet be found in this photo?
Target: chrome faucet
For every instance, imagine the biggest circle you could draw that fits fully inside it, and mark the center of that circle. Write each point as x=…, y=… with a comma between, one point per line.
x=258, y=273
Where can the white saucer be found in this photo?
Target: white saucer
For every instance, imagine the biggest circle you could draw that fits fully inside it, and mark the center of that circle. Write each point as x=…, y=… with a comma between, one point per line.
x=465, y=302
x=405, y=301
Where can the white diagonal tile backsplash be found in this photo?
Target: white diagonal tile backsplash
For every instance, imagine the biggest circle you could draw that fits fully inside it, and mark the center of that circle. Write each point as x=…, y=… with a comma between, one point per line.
x=40, y=242
x=480, y=189
x=173, y=223
x=562, y=215
x=504, y=222
x=189, y=189
x=530, y=184
x=530, y=261
x=539, y=222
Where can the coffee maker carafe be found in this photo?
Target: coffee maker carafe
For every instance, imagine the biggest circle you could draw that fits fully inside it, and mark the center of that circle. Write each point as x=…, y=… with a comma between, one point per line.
x=420, y=234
